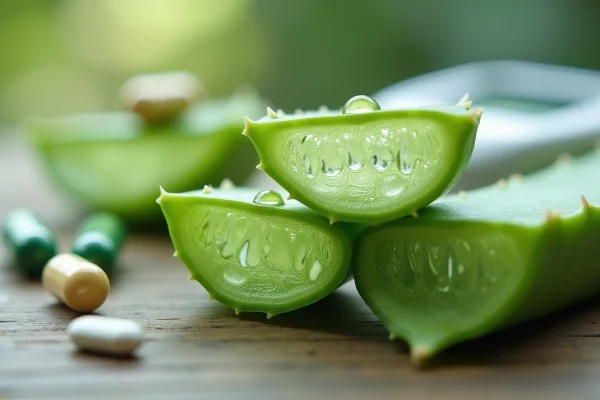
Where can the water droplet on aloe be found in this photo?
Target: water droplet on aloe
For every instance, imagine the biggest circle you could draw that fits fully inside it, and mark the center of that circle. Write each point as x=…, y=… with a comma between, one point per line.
x=360, y=105
x=269, y=198
x=315, y=270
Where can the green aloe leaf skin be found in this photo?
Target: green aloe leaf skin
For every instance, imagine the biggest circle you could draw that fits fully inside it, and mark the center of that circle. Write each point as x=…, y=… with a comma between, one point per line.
x=477, y=262
x=114, y=162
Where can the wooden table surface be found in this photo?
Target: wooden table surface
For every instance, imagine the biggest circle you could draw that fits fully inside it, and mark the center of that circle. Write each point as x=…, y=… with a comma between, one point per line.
x=197, y=348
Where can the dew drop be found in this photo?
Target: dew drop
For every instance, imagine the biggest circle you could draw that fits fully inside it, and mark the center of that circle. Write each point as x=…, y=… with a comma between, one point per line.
x=315, y=270
x=330, y=163
x=244, y=255
x=330, y=170
x=234, y=278
x=300, y=259
x=360, y=104
x=310, y=157
x=269, y=198
x=353, y=153
x=205, y=238
x=403, y=161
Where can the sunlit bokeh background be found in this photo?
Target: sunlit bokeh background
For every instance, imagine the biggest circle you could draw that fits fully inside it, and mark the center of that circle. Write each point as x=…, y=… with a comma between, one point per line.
x=64, y=56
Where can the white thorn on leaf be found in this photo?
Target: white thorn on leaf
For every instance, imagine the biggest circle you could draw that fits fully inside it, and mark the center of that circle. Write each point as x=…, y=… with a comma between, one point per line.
x=501, y=183
x=564, y=159
x=515, y=177
x=207, y=189
x=552, y=215
x=226, y=183
x=585, y=203
x=323, y=108
x=414, y=214
x=280, y=113
x=247, y=122
x=271, y=113
x=298, y=111
x=463, y=99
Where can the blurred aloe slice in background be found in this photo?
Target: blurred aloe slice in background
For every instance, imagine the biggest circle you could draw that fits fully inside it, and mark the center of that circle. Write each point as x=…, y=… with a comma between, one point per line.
x=115, y=161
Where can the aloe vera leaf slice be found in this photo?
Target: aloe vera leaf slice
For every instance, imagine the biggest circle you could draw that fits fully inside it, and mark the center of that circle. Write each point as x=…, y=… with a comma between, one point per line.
x=257, y=255
x=370, y=167
x=114, y=162
x=482, y=261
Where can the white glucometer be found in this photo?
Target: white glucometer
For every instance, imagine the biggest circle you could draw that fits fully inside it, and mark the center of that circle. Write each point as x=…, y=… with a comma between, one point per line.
x=533, y=112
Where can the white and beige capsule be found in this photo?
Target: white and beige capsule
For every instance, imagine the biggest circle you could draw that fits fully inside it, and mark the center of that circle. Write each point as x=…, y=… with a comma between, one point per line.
x=78, y=283
x=104, y=335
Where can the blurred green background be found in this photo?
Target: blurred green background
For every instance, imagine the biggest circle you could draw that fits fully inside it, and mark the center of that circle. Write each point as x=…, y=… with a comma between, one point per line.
x=60, y=56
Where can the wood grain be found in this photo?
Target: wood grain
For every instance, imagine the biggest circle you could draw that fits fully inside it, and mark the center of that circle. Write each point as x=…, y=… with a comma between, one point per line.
x=197, y=348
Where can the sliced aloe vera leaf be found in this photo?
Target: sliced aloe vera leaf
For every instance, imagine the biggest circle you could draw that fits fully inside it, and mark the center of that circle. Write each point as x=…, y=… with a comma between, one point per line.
x=114, y=161
x=255, y=252
x=368, y=167
x=474, y=263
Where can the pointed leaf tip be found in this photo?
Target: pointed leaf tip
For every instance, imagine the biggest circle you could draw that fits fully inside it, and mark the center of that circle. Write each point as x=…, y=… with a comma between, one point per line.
x=551, y=216
x=564, y=159
x=271, y=113
x=585, y=203
x=259, y=166
x=463, y=99
x=163, y=193
x=419, y=356
x=247, y=122
x=515, y=178
x=226, y=183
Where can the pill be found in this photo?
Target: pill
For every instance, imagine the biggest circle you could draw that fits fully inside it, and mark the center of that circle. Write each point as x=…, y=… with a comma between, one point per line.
x=111, y=336
x=31, y=243
x=99, y=240
x=78, y=283
x=162, y=96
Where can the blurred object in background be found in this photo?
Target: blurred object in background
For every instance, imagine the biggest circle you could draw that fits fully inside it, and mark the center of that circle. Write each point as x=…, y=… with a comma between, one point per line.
x=533, y=112
x=67, y=56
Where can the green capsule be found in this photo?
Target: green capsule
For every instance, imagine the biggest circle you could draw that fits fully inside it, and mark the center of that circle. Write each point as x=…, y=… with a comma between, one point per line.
x=30, y=241
x=257, y=255
x=99, y=240
x=364, y=164
x=481, y=261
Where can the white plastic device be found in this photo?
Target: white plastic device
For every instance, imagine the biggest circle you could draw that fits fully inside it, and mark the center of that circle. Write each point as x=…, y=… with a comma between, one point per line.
x=533, y=112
